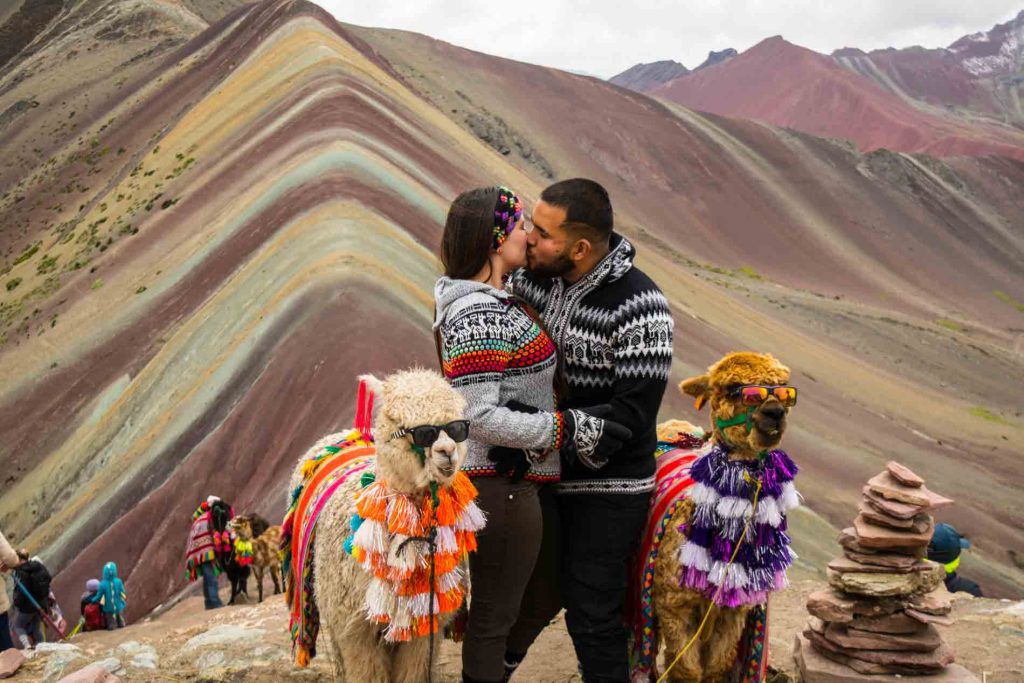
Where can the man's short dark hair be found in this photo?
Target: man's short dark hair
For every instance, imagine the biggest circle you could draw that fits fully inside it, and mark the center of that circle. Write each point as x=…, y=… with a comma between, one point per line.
x=587, y=207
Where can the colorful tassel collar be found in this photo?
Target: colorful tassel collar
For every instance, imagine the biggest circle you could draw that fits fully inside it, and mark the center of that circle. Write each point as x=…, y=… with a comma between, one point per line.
x=203, y=508
x=723, y=493
x=392, y=539
x=243, y=552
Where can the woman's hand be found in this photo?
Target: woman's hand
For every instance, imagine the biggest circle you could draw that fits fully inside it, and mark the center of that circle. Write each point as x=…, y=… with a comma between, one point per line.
x=512, y=462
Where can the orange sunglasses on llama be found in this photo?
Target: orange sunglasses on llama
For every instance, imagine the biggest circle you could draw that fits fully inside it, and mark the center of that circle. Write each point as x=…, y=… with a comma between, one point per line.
x=756, y=394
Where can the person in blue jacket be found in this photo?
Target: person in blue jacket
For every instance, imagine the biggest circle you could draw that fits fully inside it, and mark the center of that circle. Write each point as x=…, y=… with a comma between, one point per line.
x=111, y=597
x=945, y=548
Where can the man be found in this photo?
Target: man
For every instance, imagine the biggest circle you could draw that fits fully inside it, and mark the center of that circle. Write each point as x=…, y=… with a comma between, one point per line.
x=29, y=597
x=945, y=548
x=613, y=330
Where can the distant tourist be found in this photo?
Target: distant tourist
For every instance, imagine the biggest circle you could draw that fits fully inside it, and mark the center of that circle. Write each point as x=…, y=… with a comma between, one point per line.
x=8, y=560
x=111, y=597
x=945, y=549
x=31, y=592
x=92, y=613
x=208, y=541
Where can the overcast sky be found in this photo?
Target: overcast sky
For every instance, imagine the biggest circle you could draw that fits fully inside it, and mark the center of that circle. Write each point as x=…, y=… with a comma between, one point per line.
x=604, y=37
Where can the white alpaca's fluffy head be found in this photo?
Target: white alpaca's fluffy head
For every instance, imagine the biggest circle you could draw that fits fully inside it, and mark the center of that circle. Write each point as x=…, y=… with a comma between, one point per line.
x=410, y=398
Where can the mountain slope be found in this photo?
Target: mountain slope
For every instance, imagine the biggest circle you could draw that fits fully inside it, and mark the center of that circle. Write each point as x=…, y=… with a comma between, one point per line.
x=979, y=74
x=786, y=85
x=200, y=279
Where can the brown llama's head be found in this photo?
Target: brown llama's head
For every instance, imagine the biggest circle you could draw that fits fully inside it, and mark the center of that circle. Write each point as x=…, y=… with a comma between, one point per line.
x=242, y=527
x=750, y=399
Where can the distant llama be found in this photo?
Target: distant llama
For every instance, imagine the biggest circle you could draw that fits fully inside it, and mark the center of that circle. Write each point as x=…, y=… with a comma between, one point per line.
x=266, y=555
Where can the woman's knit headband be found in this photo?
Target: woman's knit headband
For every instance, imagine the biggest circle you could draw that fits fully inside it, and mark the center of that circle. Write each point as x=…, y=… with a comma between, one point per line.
x=507, y=212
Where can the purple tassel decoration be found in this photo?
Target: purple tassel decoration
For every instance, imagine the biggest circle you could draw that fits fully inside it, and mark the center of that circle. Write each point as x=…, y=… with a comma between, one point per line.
x=761, y=561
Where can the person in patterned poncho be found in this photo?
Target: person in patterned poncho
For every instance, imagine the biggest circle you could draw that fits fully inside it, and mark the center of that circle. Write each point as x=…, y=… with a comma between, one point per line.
x=208, y=540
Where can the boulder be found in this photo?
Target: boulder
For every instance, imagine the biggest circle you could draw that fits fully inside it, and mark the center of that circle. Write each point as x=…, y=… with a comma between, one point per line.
x=816, y=667
x=140, y=656
x=10, y=661
x=854, y=639
x=903, y=475
x=890, y=507
x=845, y=564
x=828, y=605
x=848, y=540
x=938, y=601
x=885, y=661
x=875, y=536
x=926, y=618
x=221, y=634
x=887, y=486
x=50, y=648
x=878, y=559
x=211, y=659
x=111, y=664
x=921, y=580
x=876, y=516
x=94, y=673
x=895, y=623
x=58, y=657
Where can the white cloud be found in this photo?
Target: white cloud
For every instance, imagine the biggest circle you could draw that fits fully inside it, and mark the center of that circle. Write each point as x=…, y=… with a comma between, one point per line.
x=605, y=37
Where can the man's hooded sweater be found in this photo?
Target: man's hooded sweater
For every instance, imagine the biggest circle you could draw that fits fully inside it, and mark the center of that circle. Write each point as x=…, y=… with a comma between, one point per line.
x=613, y=332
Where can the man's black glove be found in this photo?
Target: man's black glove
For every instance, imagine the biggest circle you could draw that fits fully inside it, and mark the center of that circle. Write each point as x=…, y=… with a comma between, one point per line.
x=512, y=462
x=591, y=440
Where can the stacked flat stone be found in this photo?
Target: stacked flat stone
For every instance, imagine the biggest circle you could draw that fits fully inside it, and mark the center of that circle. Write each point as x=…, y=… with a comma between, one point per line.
x=884, y=599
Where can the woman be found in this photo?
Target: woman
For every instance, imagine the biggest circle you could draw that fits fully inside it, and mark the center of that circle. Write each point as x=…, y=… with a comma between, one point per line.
x=111, y=597
x=494, y=352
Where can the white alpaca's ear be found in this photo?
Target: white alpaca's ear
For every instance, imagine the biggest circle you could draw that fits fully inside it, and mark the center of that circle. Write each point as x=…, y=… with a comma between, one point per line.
x=373, y=384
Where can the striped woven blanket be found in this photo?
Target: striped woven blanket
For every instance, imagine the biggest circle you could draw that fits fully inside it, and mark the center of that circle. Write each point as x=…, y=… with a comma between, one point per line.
x=672, y=482
x=323, y=474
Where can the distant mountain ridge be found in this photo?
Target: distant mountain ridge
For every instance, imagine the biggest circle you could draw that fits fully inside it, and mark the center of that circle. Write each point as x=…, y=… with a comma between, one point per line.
x=981, y=73
x=644, y=77
x=788, y=85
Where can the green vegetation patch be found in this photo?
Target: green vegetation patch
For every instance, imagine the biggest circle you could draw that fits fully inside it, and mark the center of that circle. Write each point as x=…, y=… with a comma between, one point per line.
x=951, y=325
x=986, y=414
x=1003, y=296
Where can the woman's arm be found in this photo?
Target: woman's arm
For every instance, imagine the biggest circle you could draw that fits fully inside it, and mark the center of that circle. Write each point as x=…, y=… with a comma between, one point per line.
x=476, y=347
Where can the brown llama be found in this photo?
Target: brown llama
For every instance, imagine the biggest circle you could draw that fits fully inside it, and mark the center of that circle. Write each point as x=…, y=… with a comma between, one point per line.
x=265, y=554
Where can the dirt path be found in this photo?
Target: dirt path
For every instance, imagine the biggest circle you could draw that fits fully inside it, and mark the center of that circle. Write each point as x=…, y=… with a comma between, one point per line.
x=249, y=642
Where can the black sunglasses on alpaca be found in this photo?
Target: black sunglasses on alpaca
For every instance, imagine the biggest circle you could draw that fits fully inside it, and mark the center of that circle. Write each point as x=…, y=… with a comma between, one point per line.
x=424, y=436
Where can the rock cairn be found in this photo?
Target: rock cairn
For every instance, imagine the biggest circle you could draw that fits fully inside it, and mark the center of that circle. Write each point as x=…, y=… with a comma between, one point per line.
x=884, y=600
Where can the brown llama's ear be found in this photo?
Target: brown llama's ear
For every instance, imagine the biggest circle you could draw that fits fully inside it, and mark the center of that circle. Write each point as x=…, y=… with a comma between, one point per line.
x=699, y=387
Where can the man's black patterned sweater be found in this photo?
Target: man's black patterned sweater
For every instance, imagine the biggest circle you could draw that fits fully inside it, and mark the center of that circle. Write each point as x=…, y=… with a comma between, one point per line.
x=613, y=331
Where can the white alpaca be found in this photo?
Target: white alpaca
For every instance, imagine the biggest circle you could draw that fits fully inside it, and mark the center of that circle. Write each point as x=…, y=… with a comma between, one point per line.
x=359, y=649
